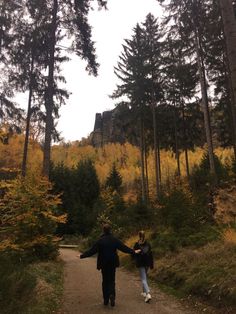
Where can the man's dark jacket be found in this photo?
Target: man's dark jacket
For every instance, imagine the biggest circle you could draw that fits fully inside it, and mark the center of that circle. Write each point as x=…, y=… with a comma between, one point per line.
x=107, y=247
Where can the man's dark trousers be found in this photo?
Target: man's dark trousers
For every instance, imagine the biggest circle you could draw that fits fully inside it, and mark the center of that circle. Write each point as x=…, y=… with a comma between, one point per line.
x=108, y=282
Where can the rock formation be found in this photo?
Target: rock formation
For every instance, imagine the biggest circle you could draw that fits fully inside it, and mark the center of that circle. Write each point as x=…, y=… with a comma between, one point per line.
x=107, y=129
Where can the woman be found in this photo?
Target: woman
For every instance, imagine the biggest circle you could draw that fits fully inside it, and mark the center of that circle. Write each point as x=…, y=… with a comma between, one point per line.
x=144, y=260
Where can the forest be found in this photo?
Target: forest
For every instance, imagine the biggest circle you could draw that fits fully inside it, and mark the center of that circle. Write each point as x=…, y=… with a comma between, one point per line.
x=174, y=176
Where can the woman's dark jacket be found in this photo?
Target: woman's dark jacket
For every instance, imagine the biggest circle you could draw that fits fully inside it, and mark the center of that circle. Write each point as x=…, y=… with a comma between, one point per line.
x=145, y=258
x=107, y=247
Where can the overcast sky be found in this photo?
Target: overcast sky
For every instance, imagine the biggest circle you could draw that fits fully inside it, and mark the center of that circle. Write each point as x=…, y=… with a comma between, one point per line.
x=91, y=94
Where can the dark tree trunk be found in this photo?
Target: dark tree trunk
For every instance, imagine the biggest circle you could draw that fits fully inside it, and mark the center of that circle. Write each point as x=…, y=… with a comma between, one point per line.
x=176, y=142
x=205, y=105
x=185, y=140
x=143, y=180
x=27, y=130
x=232, y=110
x=156, y=152
x=146, y=170
x=159, y=158
x=187, y=162
x=229, y=25
x=50, y=91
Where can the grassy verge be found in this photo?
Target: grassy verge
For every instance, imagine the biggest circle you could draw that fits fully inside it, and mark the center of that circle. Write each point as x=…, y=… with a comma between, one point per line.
x=207, y=272
x=49, y=287
x=35, y=289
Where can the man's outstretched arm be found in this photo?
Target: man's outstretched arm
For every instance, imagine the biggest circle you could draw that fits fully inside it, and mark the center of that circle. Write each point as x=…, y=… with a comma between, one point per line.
x=125, y=249
x=90, y=252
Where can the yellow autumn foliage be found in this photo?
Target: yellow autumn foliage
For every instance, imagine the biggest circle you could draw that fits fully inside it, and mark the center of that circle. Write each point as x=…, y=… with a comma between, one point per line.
x=11, y=155
x=29, y=216
x=125, y=156
x=229, y=236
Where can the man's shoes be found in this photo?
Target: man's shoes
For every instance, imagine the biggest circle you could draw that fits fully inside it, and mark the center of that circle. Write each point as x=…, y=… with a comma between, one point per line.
x=148, y=298
x=143, y=294
x=106, y=302
x=112, y=300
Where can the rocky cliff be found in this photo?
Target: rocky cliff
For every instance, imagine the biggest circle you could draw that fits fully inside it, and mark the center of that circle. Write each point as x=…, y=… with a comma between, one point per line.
x=107, y=129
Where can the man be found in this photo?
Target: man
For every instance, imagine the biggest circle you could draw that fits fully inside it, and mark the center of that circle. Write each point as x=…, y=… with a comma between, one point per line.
x=107, y=261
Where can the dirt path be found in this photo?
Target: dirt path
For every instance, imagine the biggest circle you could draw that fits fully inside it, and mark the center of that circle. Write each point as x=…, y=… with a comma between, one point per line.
x=82, y=291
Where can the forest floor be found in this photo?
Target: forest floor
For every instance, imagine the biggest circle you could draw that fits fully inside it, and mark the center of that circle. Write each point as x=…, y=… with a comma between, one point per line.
x=83, y=294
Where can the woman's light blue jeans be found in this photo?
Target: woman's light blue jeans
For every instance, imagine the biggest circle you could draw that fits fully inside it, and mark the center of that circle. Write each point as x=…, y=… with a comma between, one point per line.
x=143, y=276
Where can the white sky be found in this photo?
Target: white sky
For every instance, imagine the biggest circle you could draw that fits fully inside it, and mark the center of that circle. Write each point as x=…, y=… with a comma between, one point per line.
x=91, y=94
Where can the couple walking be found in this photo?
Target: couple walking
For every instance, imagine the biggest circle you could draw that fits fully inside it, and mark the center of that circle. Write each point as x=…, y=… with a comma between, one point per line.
x=108, y=261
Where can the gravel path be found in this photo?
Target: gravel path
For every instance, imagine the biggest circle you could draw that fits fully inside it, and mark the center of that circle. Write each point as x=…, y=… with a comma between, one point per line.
x=83, y=295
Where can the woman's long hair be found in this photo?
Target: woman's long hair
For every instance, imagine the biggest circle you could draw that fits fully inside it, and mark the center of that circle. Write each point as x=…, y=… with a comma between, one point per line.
x=141, y=235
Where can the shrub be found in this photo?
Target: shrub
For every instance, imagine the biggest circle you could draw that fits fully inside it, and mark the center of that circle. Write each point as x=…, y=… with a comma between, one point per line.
x=29, y=217
x=114, y=179
x=178, y=210
x=16, y=283
x=80, y=190
x=201, y=177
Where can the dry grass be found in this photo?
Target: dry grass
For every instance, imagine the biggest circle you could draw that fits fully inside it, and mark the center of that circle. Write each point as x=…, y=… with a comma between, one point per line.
x=48, y=291
x=229, y=236
x=208, y=272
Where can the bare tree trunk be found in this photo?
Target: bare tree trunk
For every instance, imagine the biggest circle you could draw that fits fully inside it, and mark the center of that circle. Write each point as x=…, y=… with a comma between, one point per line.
x=27, y=130
x=232, y=112
x=203, y=85
x=205, y=105
x=50, y=91
x=229, y=24
x=146, y=170
x=185, y=140
x=176, y=142
x=144, y=193
x=187, y=162
x=156, y=151
x=159, y=158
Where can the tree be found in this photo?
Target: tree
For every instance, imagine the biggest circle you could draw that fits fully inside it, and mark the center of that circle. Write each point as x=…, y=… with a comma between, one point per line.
x=86, y=182
x=152, y=37
x=114, y=179
x=10, y=14
x=29, y=217
x=80, y=190
x=73, y=19
x=24, y=54
x=180, y=91
x=218, y=76
x=132, y=73
x=229, y=23
x=190, y=16
x=52, y=20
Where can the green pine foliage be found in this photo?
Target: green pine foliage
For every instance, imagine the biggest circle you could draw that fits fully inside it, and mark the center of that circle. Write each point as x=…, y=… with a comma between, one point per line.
x=80, y=190
x=86, y=182
x=201, y=178
x=114, y=180
x=178, y=210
